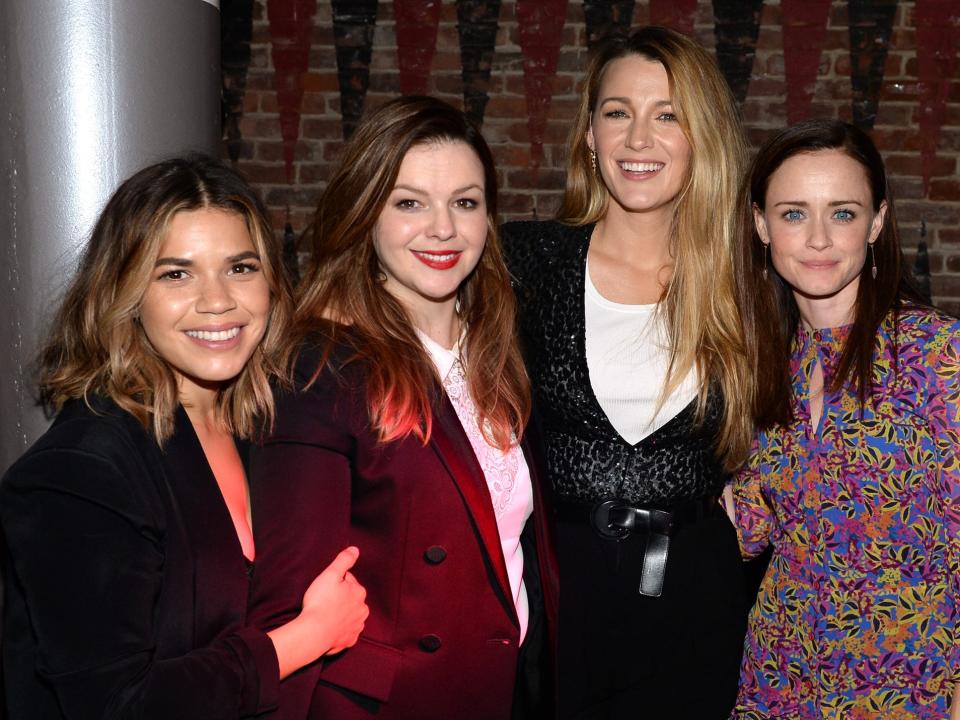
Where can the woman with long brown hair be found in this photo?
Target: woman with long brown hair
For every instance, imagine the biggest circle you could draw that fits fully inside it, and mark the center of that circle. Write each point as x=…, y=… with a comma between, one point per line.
x=406, y=437
x=854, y=479
x=632, y=336
x=128, y=543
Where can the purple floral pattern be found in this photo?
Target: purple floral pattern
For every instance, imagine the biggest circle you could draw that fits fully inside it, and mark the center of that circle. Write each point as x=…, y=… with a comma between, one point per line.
x=858, y=614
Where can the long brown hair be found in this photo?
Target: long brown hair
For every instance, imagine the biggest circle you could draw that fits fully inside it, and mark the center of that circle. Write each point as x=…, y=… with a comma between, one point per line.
x=700, y=300
x=342, y=281
x=96, y=345
x=769, y=309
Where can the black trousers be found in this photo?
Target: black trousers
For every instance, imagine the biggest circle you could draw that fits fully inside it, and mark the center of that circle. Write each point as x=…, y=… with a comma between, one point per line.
x=623, y=655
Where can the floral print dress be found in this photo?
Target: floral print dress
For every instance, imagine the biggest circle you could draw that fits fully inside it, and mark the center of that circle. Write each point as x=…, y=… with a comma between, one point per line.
x=857, y=616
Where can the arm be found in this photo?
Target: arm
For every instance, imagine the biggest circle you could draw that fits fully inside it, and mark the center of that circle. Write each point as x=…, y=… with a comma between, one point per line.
x=751, y=514
x=303, y=483
x=89, y=559
x=300, y=484
x=331, y=619
x=943, y=410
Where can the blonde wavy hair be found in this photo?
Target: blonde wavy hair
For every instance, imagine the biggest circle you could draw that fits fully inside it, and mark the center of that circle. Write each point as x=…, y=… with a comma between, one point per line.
x=96, y=345
x=344, y=282
x=700, y=305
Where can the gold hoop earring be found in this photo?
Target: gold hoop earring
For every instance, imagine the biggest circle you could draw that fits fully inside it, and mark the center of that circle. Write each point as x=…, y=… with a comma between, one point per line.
x=873, y=262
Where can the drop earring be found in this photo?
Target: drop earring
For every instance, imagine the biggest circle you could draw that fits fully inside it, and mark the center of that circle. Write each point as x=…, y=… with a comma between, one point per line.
x=764, y=271
x=593, y=161
x=873, y=262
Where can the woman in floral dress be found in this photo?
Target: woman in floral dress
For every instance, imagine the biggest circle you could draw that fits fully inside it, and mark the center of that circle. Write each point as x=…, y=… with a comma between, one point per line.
x=855, y=475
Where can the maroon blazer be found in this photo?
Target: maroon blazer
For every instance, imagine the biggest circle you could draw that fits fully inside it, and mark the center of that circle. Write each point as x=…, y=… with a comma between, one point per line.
x=442, y=637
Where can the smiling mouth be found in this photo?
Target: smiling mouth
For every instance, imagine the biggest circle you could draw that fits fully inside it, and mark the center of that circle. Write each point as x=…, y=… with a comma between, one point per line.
x=214, y=335
x=641, y=167
x=437, y=260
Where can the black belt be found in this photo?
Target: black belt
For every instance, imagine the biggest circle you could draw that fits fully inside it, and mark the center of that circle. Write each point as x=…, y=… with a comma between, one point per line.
x=618, y=520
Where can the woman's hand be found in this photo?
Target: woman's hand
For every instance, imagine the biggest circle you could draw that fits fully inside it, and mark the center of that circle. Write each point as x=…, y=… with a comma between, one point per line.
x=332, y=618
x=335, y=602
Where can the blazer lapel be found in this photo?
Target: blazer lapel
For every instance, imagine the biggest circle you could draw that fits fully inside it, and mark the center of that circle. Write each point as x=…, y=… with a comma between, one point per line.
x=450, y=442
x=219, y=569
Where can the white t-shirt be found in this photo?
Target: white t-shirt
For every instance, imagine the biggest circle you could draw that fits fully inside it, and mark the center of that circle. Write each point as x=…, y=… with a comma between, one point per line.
x=628, y=356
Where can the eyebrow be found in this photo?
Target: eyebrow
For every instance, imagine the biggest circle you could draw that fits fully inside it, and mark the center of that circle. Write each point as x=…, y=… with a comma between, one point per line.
x=833, y=203
x=627, y=101
x=184, y=262
x=419, y=191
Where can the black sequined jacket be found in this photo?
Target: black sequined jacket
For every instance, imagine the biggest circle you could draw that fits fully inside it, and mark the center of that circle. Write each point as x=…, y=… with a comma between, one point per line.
x=587, y=459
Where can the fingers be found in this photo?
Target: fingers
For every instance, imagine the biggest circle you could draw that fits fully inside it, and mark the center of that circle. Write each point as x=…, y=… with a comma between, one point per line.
x=349, y=577
x=343, y=561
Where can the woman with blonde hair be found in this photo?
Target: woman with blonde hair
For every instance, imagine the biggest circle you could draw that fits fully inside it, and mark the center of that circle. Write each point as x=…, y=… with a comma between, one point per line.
x=634, y=345
x=406, y=437
x=128, y=544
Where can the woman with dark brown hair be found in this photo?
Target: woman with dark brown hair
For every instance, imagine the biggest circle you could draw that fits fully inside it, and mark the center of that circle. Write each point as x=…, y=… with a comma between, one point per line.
x=128, y=542
x=406, y=437
x=854, y=478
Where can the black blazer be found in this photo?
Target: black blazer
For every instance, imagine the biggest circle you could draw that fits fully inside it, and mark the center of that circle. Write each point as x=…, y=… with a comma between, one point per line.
x=587, y=459
x=126, y=586
x=441, y=641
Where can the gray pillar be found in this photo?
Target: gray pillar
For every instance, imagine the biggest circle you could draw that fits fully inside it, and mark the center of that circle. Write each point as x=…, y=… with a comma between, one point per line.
x=90, y=91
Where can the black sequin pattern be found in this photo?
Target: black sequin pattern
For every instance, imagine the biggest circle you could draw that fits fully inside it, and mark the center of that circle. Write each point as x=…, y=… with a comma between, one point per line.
x=587, y=459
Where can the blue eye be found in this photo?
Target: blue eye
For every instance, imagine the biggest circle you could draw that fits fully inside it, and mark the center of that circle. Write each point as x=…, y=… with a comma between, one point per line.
x=615, y=114
x=844, y=215
x=793, y=215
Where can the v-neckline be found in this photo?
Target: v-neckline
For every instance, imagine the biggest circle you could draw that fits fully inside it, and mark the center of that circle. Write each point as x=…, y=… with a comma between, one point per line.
x=580, y=332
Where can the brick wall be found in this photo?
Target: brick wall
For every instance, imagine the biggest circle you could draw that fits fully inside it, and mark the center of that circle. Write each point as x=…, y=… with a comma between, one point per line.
x=927, y=211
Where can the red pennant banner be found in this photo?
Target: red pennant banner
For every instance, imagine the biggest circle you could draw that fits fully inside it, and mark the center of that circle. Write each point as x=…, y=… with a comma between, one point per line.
x=291, y=28
x=417, y=22
x=540, y=24
x=675, y=14
x=804, y=30
x=938, y=34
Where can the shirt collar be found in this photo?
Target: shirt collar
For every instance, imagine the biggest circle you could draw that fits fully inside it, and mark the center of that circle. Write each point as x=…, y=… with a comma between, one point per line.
x=442, y=358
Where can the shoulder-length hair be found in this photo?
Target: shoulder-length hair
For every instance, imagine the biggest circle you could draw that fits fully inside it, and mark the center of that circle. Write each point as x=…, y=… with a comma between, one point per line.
x=769, y=308
x=96, y=344
x=344, y=281
x=700, y=301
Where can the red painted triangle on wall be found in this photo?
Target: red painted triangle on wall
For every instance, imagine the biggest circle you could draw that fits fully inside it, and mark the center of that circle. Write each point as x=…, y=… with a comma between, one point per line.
x=417, y=22
x=938, y=36
x=540, y=25
x=291, y=29
x=804, y=31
